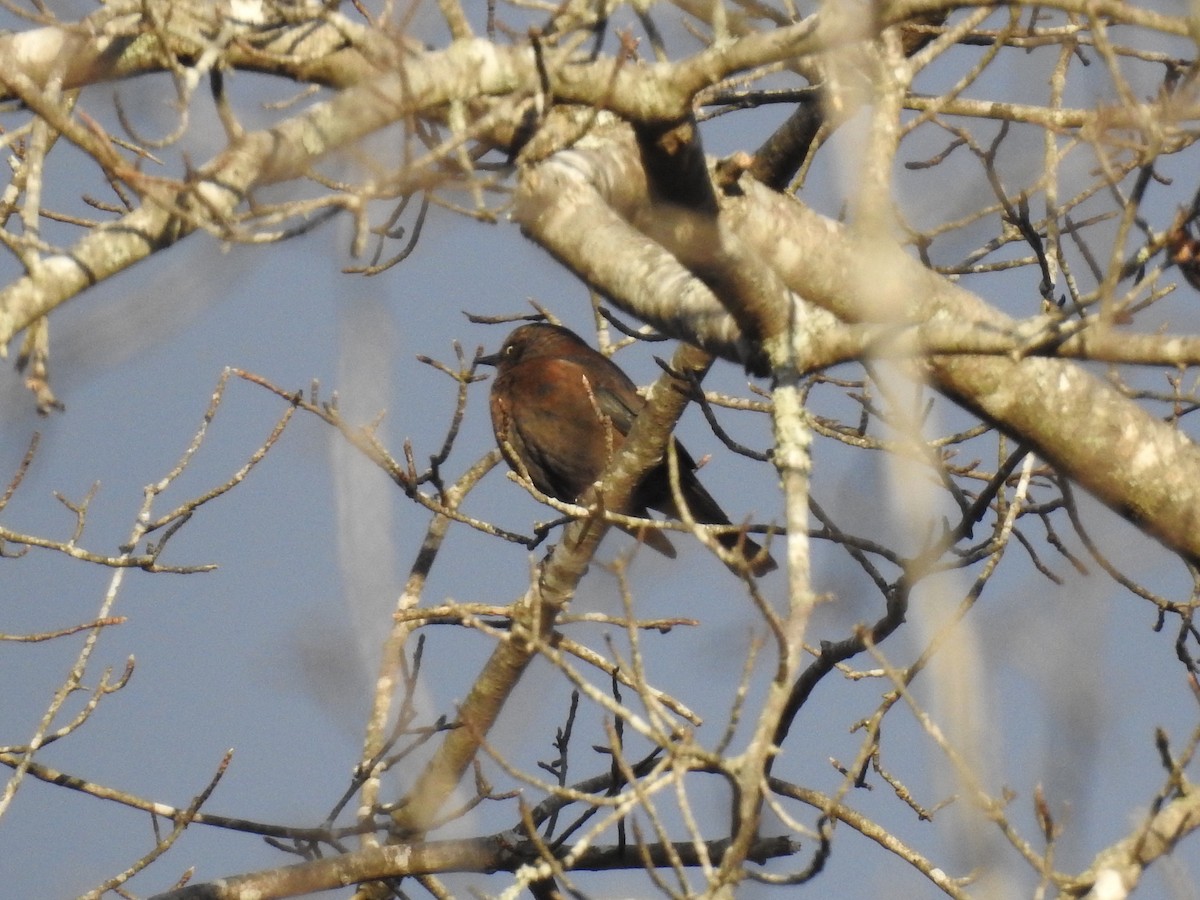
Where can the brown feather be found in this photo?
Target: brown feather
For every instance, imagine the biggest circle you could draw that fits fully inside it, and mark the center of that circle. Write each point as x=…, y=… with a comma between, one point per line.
x=560, y=410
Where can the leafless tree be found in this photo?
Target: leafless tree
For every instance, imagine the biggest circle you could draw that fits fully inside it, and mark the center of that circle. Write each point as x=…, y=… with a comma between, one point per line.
x=989, y=302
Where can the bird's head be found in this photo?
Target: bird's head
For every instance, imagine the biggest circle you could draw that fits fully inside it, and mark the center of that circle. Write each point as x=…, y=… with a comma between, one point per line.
x=537, y=339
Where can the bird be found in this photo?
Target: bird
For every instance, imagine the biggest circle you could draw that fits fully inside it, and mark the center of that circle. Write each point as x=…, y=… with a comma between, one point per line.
x=560, y=409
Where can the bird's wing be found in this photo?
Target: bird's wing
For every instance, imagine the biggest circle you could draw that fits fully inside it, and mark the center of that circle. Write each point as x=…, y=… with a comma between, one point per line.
x=614, y=394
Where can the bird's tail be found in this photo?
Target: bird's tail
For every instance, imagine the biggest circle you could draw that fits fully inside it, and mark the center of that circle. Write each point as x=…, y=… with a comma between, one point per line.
x=704, y=509
x=653, y=538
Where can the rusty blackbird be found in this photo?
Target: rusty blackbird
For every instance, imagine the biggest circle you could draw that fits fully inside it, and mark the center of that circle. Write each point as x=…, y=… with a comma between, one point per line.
x=559, y=410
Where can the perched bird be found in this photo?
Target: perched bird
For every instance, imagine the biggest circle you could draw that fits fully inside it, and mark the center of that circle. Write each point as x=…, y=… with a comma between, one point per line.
x=560, y=409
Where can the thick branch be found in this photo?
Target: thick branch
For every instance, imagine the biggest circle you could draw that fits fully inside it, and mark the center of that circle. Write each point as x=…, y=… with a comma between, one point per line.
x=114, y=43
x=261, y=157
x=1133, y=462
x=581, y=204
x=496, y=853
x=1117, y=870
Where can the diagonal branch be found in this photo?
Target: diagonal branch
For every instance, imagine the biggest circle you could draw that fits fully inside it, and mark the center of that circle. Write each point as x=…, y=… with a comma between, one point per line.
x=534, y=615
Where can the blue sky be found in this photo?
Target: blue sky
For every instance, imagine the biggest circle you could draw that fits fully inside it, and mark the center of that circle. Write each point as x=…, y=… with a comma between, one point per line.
x=274, y=654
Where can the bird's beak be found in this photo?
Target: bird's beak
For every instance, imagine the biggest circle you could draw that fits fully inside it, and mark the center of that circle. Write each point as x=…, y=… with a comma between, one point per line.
x=492, y=359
